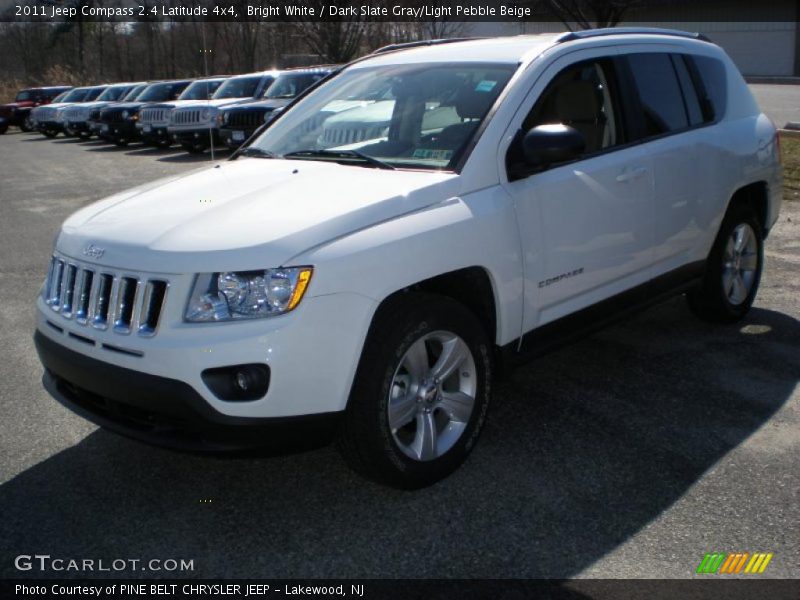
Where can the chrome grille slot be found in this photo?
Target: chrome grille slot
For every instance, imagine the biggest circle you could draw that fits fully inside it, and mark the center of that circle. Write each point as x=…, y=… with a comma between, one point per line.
x=102, y=300
x=68, y=290
x=84, y=296
x=154, y=293
x=123, y=311
x=125, y=303
x=54, y=293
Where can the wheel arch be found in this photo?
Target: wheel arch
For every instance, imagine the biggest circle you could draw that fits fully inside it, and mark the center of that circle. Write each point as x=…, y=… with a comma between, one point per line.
x=755, y=197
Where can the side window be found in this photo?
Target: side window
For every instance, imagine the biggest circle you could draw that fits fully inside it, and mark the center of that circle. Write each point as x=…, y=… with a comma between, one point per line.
x=581, y=96
x=712, y=85
x=660, y=95
x=693, y=108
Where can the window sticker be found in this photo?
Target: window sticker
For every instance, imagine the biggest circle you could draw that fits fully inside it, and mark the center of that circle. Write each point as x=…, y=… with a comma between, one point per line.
x=433, y=154
x=485, y=86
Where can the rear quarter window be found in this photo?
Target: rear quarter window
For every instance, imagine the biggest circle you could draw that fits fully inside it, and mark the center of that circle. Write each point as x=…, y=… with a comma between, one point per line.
x=712, y=85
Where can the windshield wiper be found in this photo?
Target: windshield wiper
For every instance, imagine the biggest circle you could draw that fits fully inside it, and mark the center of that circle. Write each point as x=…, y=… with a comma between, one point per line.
x=349, y=155
x=257, y=152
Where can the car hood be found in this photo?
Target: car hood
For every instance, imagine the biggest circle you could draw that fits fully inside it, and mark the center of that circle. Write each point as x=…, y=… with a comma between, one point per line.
x=246, y=214
x=269, y=104
x=216, y=103
x=13, y=105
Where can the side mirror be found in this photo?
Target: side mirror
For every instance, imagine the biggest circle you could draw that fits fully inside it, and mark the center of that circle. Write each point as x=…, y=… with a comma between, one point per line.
x=548, y=144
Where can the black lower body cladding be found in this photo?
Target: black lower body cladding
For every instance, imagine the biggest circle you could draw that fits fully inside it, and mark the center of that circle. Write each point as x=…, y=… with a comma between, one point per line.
x=166, y=412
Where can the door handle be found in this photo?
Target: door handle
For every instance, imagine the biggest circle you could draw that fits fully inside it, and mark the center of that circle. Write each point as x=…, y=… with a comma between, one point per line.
x=631, y=174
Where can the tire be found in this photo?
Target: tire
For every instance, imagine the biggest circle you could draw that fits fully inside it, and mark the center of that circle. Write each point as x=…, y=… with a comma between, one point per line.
x=196, y=148
x=3, y=129
x=51, y=133
x=121, y=142
x=733, y=270
x=401, y=355
x=27, y=125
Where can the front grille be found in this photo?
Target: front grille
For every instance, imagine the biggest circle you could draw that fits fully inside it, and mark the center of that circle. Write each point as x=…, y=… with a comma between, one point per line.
x=95, y=115
x=186, y=116
x=246, y=119
x=101, y=299
x=351, y=134
x=153, y=115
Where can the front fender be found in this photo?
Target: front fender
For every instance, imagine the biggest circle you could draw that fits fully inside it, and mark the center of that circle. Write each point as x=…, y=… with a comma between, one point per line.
x=475, y=230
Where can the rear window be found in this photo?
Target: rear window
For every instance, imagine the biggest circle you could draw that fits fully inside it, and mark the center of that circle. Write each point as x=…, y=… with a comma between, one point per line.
x=659, y=92
x=712, y=86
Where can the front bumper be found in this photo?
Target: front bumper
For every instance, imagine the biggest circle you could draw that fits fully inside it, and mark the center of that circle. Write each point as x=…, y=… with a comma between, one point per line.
x=194, y=136
x=153, y=134
x=163, y=411
x=117, y=131
x=50, y=126
x=78, y=126
x=311, y=356
x=235, y=137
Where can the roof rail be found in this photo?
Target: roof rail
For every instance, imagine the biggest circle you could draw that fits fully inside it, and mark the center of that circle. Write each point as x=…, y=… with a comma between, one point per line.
x=417, y=44
x=591, y=33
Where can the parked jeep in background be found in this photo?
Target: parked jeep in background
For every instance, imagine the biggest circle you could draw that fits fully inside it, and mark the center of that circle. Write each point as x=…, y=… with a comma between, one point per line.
x=50, y=119
x=94, y=124
x=17, y=113
x=154, y=119
x=118, y=122
x=76, y=118
x=239, y=122
x=361, y=275
x=195, y=126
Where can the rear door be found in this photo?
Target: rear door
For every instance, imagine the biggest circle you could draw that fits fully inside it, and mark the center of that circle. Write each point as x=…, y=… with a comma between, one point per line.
x=668, y=127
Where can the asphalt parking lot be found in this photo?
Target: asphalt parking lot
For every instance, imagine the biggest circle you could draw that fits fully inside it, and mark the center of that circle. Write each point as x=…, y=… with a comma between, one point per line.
x=629, y=454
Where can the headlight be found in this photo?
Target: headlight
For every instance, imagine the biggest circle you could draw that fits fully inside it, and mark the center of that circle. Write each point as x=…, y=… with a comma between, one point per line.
x=125, y=114
x=246, y=295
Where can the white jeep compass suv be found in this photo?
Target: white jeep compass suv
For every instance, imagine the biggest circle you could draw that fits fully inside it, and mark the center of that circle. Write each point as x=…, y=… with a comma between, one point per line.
x=367, y=285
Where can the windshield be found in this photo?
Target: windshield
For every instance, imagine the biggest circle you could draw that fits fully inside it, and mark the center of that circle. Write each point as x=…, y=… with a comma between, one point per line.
x=113, y=93
x=76, y=95
x=161, y=92
x=290, y=85
x=405, y=116
x=60, y=97
x=239, y=87
x=93, y=93
x=23, y=96
x=200, y=90
x=134, y=93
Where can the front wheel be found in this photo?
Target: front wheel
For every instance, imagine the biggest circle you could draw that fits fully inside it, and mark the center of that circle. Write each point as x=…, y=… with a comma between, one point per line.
x=421, y=392
x=27, y=124
x=3, y=128
x=733, y=270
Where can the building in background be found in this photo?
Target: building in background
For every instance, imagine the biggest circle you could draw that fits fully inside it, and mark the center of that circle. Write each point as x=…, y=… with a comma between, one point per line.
x=760, y=36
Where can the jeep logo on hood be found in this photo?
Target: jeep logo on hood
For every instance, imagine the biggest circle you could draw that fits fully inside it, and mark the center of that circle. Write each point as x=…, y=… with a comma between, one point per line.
x=93, y=251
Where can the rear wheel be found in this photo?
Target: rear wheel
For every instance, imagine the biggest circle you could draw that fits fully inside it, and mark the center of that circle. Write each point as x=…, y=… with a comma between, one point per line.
x=51, y=133
x=421, y=393
x=27, y=124
x=3, y=128
x=733, y=270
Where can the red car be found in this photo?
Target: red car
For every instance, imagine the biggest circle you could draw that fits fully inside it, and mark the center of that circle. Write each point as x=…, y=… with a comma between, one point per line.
x=16, y=113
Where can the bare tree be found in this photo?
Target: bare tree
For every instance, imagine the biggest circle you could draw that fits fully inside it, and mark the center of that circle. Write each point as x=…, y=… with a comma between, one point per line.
x=588, y=14
x=337, y=39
